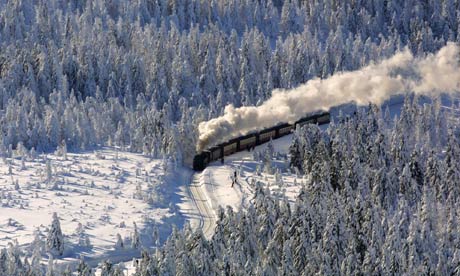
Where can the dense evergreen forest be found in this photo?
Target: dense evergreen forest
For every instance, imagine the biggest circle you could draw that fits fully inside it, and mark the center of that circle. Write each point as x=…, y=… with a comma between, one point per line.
x=381, y=196
x=142, y=74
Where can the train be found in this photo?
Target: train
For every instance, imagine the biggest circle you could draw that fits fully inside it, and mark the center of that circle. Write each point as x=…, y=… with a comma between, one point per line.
x=201, y=160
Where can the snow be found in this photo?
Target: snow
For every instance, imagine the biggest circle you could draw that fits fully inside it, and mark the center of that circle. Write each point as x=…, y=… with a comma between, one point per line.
x=216, y=179
x=96, y=188
x=206, y=217
x=108, y=189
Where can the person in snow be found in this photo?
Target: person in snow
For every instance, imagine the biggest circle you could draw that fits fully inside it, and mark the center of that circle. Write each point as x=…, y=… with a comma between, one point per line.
x=234, y=178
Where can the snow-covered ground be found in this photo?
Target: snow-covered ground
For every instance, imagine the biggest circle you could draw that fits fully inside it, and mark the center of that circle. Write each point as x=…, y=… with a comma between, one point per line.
x=217, y=177
x=106, y=190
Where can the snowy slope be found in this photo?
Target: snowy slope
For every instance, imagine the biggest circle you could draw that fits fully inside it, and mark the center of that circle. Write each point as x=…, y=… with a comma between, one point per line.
x=91, y=188
x=106, y=190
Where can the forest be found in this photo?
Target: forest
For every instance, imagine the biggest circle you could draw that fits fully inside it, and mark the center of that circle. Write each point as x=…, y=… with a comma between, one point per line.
x=142, y=74
x=377, y=201
x=381, y=195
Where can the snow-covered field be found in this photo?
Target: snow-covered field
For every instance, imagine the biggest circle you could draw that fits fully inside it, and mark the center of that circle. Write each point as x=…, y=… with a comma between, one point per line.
x=104, y=190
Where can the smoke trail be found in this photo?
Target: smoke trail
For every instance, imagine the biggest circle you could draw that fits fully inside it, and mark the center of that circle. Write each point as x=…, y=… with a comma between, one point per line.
x=375, y=83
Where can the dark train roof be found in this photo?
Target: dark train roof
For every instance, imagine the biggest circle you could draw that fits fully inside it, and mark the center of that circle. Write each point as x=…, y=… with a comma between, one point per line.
x=253, y=133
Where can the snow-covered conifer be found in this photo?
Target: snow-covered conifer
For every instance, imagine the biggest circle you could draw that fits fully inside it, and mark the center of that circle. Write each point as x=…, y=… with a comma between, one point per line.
x=55, y=238
x=135, y=238
x=119, y=243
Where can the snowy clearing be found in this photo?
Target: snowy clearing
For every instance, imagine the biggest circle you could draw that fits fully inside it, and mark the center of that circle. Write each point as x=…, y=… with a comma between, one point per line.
x=105, y=190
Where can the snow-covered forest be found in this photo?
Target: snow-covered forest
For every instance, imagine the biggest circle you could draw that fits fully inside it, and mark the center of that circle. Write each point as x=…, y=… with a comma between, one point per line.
x=142, y=74
x=380, y=196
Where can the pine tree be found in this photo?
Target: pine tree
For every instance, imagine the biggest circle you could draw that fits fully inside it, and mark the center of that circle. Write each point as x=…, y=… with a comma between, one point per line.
x=37, y=249
x=49, y=172
x=55, y=239
x=83, y=269
x=135, y=239
x=107, y=268
x=119, y=244
x=83, y=238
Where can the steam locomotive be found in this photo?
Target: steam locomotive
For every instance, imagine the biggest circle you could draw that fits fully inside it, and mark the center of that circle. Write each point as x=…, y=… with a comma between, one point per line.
x=201, y=160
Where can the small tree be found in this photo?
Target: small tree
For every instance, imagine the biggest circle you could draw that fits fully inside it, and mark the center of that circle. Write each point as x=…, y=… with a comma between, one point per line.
x=55, y=239
x=106, y=268
x=64, y=150
x=36, y=247
x=23, y=163
x=83, y=269
x=119, y=243
x=135, y=241
x=83, y=238
x=49, y=171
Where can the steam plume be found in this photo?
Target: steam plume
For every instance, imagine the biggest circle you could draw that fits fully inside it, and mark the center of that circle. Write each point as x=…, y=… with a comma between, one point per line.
x=375, y=83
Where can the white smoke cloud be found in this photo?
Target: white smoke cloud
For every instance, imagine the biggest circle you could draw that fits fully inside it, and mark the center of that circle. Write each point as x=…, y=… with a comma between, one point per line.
x=375, y=83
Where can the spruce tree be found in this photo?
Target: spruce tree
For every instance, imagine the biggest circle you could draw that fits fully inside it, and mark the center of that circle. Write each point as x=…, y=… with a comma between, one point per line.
x=55, y=239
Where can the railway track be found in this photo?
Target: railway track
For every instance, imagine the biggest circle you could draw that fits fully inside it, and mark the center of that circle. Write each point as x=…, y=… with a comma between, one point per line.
x=207, y=217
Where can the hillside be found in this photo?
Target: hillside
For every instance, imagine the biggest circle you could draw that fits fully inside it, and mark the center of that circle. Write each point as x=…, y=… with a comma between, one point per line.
x=105, y=103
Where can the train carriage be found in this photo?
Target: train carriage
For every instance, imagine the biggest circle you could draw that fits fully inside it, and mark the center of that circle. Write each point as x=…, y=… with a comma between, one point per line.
x=266, y=136
x=230, y=148
x=285, y=129
x=248, y=142
x=324, y=119
x=216, y=153
x=306, y=121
